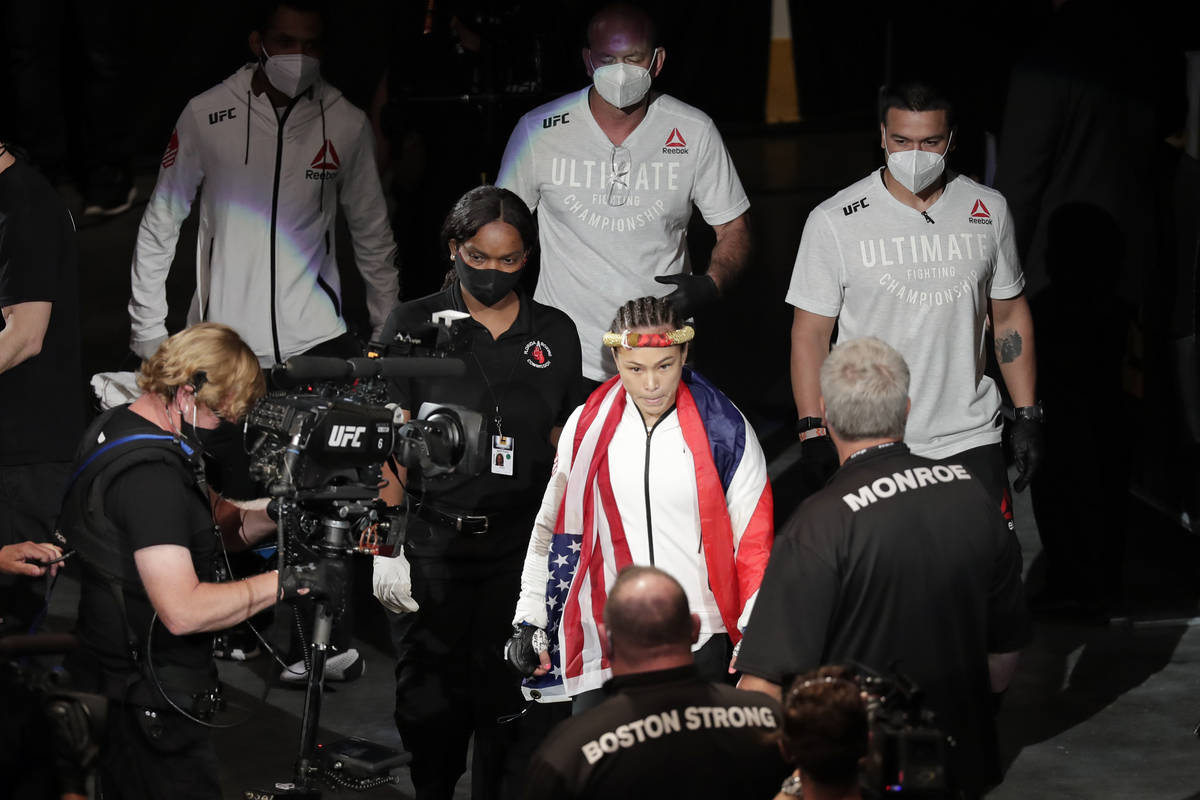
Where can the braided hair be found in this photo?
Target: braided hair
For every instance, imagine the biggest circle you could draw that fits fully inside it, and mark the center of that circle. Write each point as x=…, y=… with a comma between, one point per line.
x=646, y=312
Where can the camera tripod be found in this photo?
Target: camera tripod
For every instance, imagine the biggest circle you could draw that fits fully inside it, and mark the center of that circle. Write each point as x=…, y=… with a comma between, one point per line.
x=353, y=764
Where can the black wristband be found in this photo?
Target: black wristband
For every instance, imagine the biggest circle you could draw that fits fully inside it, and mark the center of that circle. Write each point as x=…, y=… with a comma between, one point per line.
x=808, y=423
x=1033, y=413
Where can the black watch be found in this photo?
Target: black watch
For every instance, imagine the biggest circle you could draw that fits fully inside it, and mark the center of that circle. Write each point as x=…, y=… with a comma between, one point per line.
x=808, y=423
x=1034, y=413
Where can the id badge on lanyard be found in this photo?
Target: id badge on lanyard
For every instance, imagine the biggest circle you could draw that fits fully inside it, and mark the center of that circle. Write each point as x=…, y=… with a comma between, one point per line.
x=502, y=455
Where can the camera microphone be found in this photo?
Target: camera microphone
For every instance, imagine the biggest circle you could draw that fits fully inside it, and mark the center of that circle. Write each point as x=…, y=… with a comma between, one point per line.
x=419, y=367
x=300, y=370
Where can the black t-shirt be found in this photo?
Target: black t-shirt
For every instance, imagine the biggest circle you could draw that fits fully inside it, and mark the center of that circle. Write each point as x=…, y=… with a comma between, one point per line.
x=151, y=504
x=663, y=734
x=899, y=559
x=41, y=399
x=531, y=373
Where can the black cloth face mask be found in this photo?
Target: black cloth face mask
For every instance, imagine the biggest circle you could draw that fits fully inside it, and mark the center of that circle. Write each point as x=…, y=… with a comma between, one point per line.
x=488, y=286
x=202, y=439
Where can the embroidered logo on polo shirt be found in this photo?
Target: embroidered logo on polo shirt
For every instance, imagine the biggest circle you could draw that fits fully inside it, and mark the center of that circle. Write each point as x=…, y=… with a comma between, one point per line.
x=675, y=143
x=325, y=163
x=168, y=159
x=537, y=354
x=979, y=214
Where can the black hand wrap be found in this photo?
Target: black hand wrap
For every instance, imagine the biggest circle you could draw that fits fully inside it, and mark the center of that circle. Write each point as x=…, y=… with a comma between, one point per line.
x=519, y=649
x=819, y=457
x=693, y=293
x=316, y=578
x=1028, y=448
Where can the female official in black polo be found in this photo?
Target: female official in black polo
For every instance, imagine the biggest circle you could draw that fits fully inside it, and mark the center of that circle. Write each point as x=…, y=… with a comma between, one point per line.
x=468, y=534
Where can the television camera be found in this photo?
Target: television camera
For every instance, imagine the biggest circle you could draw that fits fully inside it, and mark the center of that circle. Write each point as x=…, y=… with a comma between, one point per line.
x=318, y=444
x=908, y=753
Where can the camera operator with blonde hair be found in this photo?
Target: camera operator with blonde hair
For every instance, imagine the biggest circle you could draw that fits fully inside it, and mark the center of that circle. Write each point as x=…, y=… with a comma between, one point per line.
x=141, y=516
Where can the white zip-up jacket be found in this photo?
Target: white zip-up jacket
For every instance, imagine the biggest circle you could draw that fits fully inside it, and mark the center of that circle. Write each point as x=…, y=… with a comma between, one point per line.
x=269, y=188
x=669, y=499
x=662, y=527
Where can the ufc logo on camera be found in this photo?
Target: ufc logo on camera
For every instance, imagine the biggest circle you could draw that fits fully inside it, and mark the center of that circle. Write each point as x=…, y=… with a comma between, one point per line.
x=346, y=435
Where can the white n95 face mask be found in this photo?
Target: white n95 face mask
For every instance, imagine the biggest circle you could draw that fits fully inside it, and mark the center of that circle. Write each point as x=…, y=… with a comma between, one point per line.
x=622, y=84
x=917, y=169
x=291, y=73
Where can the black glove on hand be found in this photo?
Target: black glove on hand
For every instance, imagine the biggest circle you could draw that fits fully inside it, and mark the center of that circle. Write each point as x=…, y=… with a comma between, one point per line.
x=821, y=453
x=522, y=651
x=319, y=579
x=693, y=293
x=1028, y=447
x=818, y=454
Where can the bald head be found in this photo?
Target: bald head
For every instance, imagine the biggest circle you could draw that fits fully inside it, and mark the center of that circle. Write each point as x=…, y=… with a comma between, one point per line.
x=620, y=26
x=647, y=615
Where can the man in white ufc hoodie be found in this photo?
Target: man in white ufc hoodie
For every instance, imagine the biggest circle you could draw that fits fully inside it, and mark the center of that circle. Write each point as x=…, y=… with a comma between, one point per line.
x=272, y=150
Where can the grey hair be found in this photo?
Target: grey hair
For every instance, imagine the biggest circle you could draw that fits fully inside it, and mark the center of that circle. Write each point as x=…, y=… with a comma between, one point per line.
x=865, y=386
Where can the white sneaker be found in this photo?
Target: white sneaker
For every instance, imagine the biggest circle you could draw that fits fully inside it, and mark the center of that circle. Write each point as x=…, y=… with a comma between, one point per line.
x=347, y=666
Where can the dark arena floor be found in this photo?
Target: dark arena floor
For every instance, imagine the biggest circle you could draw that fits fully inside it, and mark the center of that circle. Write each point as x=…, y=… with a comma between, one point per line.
x=1103, y=709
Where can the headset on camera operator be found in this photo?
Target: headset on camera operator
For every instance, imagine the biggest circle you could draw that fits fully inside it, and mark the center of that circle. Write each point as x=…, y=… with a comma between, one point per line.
x=467, y=533
x=148, y=530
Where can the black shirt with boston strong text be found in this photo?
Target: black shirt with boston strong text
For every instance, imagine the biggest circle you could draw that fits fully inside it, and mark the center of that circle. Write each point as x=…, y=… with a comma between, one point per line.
x=663, y=734
x=41, y=399
x=899, y=561
x=531, y=373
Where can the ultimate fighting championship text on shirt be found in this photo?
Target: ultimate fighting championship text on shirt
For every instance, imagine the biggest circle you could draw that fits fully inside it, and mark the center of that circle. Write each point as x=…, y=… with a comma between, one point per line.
x=597, y=179
x=911, y=262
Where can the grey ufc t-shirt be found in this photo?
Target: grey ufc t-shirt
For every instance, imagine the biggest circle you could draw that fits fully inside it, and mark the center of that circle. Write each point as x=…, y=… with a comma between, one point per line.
x=597, y=255
x=921, y=283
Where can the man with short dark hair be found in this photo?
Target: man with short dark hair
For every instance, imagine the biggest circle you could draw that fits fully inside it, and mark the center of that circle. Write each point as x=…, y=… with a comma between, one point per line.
x=899, y=562
x=273, y=151
x=922, y=258
x=614, y=171
x=662, y=731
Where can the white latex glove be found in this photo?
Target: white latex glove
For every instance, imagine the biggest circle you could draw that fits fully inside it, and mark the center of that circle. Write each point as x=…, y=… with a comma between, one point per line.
x=391, y=582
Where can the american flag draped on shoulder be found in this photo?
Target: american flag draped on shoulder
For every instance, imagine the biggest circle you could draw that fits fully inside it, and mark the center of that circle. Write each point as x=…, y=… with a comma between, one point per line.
x=588, y=547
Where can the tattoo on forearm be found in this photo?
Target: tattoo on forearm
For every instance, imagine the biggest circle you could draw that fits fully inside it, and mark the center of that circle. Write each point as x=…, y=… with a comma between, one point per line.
x=1008, y=346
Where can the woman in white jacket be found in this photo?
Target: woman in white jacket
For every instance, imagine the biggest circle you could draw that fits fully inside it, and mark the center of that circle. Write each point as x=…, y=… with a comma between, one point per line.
x=675, y=478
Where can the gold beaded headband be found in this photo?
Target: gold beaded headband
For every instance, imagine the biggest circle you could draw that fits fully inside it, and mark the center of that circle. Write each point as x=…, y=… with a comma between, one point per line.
x=629, y=340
